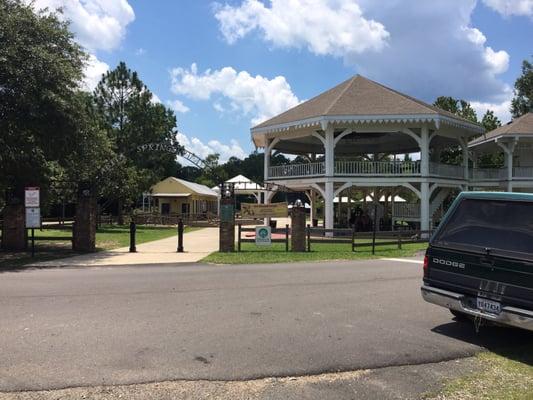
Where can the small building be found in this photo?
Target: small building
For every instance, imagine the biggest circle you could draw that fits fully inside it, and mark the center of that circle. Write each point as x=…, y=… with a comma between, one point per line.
x=515, y=141
x=181, y=197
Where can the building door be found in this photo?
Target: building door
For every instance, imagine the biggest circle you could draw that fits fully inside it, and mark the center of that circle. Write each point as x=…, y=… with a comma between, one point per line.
x=185, y=208
x=165, y=208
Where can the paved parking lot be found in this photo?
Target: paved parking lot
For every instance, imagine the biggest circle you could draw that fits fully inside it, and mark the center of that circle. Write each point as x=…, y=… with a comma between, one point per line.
x=118, y=325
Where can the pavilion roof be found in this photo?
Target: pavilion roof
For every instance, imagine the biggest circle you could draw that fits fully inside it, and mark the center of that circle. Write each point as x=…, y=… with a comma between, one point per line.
x=521, y=126
x=359, y=97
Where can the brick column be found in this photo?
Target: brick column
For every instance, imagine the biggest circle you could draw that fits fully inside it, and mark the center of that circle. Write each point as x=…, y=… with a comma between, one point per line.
x=298, y=229
x=227, y=225
x=13, y=229
x=84, y=231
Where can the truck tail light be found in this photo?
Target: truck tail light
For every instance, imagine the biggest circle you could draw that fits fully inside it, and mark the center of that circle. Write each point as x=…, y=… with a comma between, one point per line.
x=426, y=264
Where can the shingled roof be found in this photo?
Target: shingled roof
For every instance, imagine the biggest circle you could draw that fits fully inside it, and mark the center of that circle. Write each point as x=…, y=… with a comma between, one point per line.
x=521, y=126
x=359, y=96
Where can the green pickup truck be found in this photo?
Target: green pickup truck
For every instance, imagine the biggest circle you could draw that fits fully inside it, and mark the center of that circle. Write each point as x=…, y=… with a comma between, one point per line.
x=479, y=262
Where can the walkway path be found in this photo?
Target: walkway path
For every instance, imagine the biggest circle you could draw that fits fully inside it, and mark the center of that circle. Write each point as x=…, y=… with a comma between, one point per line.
x=198, y=244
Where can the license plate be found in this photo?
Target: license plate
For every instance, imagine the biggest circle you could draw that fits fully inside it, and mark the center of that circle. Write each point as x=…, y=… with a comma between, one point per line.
x=489, y=306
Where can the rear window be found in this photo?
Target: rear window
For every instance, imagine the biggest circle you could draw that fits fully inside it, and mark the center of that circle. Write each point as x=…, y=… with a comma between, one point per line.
x=506, y=227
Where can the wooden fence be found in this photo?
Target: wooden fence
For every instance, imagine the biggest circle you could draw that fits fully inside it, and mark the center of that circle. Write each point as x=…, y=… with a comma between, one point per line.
x=349, y=237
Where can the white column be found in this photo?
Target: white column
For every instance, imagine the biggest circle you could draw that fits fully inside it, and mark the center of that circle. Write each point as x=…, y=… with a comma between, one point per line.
x=464, y=146
x=424, y=151
x=509, y=164
x=267, y=159
x=328, y=205
x=508, y=150
x=329, y=152
x=424, y=206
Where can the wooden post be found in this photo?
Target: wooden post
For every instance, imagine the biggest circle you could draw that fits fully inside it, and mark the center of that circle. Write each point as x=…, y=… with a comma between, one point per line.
x=399, y=242
x=180, y=236
x=133, y=229
x=353, y=238
x=239, y=237
x=374, y=229
x=286, y=237
x=308, y=238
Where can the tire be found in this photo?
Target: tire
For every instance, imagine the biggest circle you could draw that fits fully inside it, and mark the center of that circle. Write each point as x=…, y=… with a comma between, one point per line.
x=461, y=316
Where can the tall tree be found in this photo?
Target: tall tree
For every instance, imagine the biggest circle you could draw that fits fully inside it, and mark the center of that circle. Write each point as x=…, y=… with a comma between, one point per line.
x=40, y=70
x=522, y=102
x=458, y=107
x=142, y=133
x=490, y=121
x=461, y=108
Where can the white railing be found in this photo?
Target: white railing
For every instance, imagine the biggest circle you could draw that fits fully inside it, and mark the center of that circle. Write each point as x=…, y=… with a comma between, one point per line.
x=406, y=210
x=365, y=168
x=523, y=172
x=447, y=170
x=376, y=168
x=296, y=170
x=488, y=174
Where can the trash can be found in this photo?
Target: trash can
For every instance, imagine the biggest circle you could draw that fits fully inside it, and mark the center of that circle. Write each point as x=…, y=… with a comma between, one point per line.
x=315, y=222
x=273, y=223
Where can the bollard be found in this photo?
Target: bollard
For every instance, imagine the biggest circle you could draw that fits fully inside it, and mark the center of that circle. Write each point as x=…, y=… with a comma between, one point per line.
x=180, y=236
x=133, y=229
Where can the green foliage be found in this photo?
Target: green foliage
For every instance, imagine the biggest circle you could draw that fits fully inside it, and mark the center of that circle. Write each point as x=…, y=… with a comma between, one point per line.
x=458, y=107
x=131, y=119
x=522, y=103
x=490, y=121
x=454, y=155
x=40, y=70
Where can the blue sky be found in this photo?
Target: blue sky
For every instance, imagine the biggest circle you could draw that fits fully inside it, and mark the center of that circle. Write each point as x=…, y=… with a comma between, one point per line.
x=228, y=65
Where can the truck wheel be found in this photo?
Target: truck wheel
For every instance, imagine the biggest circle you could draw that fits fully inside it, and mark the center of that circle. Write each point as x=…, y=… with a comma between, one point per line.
x=460, y=316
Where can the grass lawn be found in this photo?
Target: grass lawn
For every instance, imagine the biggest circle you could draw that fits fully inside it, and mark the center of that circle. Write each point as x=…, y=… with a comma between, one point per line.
x=504, y=375
x=107, y=237
x=252, y=254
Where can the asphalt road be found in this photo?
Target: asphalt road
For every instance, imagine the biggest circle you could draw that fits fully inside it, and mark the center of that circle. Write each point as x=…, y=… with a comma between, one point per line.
x=120, y=325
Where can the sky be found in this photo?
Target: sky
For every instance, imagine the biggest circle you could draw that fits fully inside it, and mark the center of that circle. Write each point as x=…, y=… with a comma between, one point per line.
x=224, y=66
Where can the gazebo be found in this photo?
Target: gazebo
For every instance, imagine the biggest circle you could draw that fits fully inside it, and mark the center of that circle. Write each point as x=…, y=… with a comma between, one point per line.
x=352, y=134
x=244, y=186
x=516, y=141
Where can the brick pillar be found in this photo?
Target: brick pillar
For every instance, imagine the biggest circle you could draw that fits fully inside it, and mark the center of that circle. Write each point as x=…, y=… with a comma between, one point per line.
x=84, y=232
x=13, y=229
x=227, y=225
x=298, y=229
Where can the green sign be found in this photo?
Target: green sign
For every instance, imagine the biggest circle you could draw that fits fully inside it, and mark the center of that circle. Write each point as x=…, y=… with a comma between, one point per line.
x=263, y=236
x=227, y=213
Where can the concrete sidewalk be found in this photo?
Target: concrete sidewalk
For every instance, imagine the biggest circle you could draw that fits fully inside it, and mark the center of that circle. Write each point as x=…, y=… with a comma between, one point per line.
x=197, y=244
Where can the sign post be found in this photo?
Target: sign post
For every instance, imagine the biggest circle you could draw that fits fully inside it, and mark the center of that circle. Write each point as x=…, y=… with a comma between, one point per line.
x=263, y=236
x=32, y=202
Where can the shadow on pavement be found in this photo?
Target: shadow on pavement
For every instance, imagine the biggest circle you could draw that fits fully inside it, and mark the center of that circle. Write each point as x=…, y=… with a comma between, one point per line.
x=512, y=343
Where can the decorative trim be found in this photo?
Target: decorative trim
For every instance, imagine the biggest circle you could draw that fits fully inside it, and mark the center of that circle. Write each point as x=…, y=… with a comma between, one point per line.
x=322, y=121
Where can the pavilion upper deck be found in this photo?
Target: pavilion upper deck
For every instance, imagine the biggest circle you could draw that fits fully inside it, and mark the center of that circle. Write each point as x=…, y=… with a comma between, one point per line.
x=343, y=168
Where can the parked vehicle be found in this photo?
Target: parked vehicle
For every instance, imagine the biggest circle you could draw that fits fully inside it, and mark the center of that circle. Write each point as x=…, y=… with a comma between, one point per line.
x=479, y=262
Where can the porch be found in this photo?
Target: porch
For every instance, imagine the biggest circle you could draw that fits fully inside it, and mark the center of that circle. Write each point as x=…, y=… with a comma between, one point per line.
x=366, y=168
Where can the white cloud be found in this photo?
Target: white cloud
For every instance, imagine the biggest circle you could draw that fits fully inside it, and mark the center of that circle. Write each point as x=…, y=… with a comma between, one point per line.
x=140, y=51
x=98, y=24
x=94, y=69
x=508, y=8
x=502, y=109
x=434, y=50
x=324, y=27
x=155, y=99
x=202, y=150
x=178, y=106
x=255, y=96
